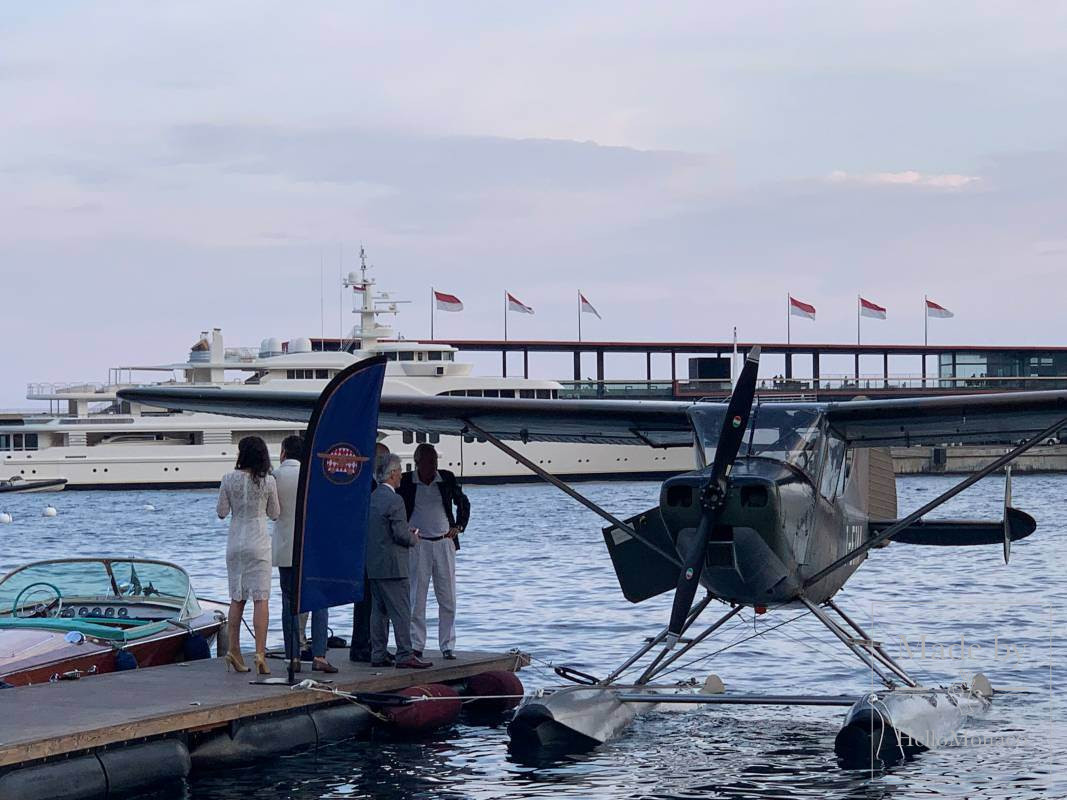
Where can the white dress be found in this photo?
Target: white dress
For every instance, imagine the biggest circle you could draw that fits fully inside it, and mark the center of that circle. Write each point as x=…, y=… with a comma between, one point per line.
x=248, y=548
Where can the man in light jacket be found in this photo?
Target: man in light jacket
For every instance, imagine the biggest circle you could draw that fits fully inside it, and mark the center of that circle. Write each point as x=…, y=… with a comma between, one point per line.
x=287, y=476
x=388, y=540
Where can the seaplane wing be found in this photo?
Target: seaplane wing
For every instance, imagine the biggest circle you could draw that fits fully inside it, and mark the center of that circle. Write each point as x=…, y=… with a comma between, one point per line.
x=1003, y=418
x=643, y=422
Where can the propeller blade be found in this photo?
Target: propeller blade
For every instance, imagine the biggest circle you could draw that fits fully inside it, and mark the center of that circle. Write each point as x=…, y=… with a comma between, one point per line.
x=713, y=495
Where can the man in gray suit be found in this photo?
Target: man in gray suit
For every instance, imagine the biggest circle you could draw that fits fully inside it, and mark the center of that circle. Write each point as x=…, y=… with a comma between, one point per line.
x=388, y=542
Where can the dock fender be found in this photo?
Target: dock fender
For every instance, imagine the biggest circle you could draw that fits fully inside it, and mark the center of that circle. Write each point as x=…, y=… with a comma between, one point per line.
x=336, y=723
x=125, y=660
x=131, y=770
x=498, y=692
x=79, y=778
x=195, y=647
x=257, y=738
x=423, y=716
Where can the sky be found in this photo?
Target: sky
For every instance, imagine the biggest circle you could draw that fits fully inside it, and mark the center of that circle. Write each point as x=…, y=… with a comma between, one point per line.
x=168, y=168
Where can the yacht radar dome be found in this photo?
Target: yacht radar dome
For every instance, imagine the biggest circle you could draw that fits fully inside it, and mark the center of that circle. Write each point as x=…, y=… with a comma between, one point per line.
x=300, y=345
x=270, y=347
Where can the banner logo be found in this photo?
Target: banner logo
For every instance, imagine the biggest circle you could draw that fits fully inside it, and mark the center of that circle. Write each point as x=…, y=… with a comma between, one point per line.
x=341, y=463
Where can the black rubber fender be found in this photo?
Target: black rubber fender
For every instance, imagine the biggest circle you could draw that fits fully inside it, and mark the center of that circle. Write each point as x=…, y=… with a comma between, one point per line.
x=335, y=723
x=131, y=770
x=79, y=778
x=258, y=738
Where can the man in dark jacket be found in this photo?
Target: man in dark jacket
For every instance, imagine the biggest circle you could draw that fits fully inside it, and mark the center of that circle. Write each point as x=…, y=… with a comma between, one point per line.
x=360, y=647
x=437, y=507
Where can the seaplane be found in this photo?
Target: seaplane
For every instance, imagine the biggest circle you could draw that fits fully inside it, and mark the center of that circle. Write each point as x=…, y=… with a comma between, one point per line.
x=786, y=502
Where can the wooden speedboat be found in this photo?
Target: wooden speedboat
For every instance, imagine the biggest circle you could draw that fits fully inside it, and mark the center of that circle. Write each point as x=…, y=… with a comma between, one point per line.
x=19, y=484
x=71, y=617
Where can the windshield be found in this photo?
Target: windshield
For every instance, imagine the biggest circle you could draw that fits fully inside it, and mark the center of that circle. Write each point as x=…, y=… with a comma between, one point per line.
x=779, y=432
x=91, y=580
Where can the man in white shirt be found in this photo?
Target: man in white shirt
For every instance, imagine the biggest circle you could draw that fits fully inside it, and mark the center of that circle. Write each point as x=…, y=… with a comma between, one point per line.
x=287, y=476
x=437, y=507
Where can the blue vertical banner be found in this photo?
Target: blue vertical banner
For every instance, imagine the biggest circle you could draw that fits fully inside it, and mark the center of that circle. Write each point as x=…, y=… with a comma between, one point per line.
x=333, y=496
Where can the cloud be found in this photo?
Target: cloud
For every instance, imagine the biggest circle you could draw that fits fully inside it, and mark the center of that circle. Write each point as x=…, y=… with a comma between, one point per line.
x=905, y=178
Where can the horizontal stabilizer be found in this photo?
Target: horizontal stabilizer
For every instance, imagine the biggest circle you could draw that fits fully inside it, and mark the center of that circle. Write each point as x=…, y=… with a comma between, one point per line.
x=642, y=572
x=961, y=532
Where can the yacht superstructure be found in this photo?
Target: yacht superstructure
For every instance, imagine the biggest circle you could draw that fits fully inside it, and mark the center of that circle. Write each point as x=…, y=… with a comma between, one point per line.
x=93, y=440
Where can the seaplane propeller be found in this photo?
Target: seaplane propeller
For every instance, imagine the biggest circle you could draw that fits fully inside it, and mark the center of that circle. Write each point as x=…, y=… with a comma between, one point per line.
x=714, y=492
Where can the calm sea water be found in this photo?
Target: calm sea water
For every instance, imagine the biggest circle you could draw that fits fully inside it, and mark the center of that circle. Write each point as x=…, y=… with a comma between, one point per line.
x=533, y=574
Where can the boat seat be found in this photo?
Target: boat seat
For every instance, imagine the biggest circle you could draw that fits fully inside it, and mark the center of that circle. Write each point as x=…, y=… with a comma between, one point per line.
x=86, y=628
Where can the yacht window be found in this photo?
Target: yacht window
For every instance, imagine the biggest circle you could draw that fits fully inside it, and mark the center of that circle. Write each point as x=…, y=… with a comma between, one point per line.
x=5, y=441
x=407, y=355
x=390, y=356
x=434, y=355
x=408, y=437
x=526, y=392
x=474, y=393
x=543, y=394
x=507, y=392
x=435, y=438
x=450, y=356
x=492, y=393
x=420, y=438
x=17, y=439
x=420, y=356
x=554, y=394
x=31, y=441
x=290, y=374
x=321, y=373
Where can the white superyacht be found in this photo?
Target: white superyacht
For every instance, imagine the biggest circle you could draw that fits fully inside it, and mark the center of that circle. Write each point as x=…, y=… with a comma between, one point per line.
x=95, y=441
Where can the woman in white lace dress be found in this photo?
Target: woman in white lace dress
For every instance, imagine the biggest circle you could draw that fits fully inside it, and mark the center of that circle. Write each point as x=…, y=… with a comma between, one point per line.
x=251, y=495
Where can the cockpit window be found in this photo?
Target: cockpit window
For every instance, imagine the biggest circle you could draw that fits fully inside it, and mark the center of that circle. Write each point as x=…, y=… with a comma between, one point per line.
x=777, y=432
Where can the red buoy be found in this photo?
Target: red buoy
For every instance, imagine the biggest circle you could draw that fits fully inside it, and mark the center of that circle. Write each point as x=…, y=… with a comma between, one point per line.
x=425, y=715
x=499, y=691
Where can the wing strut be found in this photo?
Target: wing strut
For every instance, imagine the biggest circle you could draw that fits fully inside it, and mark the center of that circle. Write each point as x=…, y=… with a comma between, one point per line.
x=563, y=487
x=915, y=516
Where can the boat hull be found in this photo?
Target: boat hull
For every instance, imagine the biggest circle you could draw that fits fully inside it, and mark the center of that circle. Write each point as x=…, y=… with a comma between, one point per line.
x=30, y=656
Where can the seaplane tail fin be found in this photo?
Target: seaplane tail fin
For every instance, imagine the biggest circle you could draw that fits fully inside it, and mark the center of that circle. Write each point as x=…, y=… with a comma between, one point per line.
x=642, y=572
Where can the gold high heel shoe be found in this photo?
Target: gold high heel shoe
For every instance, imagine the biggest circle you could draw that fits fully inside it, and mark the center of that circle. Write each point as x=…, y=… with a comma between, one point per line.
x=261, y=664
x=238, y=664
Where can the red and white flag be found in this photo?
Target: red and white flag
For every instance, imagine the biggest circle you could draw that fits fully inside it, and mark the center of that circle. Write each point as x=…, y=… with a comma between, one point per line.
x=587, y=307
x=446, y=302
x=872, y=310
x=938, y=311
x=798, y=308
x=514, y=304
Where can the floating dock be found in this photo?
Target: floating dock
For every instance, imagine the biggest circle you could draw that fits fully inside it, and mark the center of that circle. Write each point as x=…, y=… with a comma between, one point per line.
x=110, y=734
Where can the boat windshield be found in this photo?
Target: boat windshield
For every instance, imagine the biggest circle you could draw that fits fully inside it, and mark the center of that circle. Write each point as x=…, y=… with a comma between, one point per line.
x=102, y=581
x=778, y=432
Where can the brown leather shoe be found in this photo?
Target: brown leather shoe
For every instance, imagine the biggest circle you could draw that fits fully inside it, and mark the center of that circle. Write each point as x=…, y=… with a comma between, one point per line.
x=413, y=663
x=322, y=665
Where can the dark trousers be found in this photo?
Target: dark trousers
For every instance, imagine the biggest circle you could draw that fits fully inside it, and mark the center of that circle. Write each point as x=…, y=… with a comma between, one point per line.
x=360, y=649
x=320, y=621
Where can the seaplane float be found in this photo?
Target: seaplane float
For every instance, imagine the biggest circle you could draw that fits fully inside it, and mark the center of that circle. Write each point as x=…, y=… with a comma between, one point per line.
x=786, y=502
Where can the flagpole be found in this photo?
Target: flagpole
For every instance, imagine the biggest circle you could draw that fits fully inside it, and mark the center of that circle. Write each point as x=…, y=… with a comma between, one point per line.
x=858, y=303
x=926, y=328
x=505, y=315
x=432, y=309
x=579, y=315
x=788, y=312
